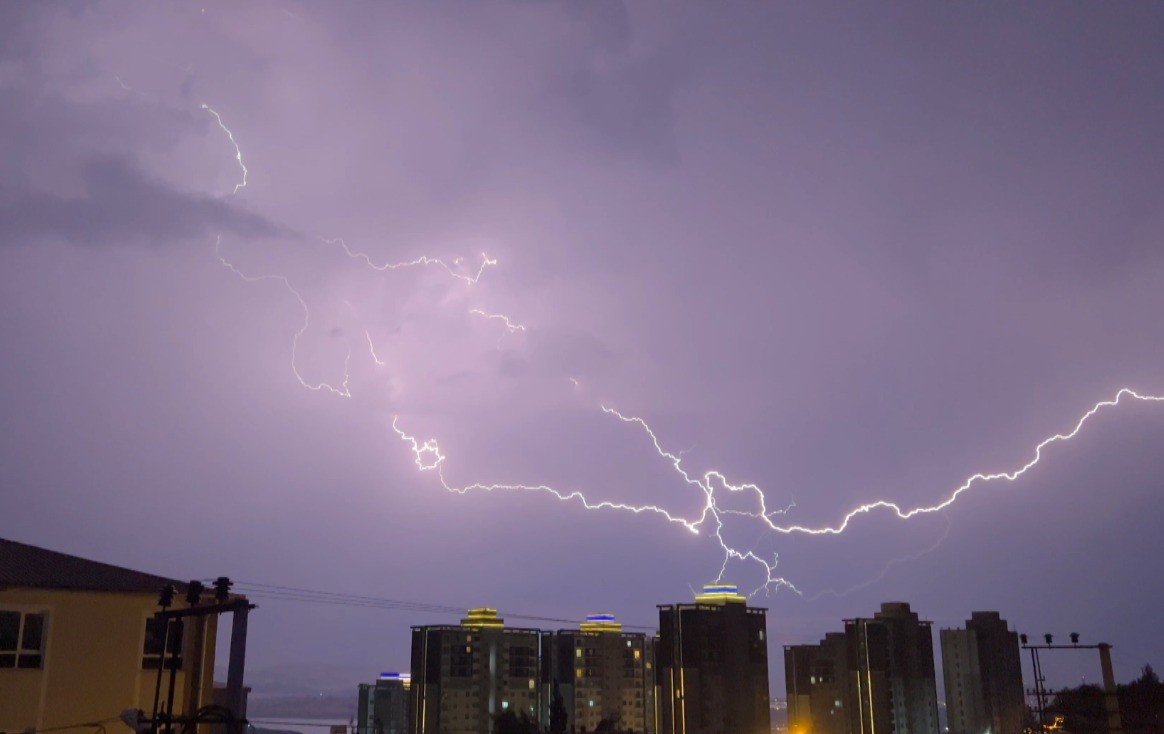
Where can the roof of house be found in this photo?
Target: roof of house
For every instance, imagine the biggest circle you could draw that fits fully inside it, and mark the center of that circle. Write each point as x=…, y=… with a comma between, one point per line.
x=27, y=566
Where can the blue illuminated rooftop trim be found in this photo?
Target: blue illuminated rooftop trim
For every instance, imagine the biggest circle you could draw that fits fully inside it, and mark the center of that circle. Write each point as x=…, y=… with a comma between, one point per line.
x=599, y=617
x=394, y=676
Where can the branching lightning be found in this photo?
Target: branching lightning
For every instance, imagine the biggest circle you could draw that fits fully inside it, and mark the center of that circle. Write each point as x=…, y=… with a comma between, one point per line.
x=711, y=487
x=710, y=481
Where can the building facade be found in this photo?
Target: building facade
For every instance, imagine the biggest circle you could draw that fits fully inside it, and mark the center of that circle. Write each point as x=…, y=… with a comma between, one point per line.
x=464, y=676
x=78, y=641
x=603, y=674
x=890, y=659
x=982, y=672
x=712, y=665
x=383, y=706
x=817, y=681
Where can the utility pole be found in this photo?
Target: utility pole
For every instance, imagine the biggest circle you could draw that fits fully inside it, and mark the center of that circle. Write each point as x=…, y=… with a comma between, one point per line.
x=234, y=716
x=1111, y=695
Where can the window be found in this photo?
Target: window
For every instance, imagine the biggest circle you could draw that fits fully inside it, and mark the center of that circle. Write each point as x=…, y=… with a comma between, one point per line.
x=21, y=640
x=155, y=639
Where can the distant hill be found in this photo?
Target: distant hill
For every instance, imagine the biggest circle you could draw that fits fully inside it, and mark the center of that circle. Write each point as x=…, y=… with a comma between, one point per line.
x=338, y=706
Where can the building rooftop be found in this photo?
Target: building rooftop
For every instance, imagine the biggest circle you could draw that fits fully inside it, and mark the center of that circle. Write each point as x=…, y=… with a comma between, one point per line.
x=30, y=567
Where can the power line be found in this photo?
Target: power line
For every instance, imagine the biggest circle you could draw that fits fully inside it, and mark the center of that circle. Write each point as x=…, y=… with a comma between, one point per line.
x=276, y=592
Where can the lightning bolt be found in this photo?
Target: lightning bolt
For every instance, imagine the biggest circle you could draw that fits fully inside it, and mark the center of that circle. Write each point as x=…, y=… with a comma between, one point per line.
x=372, y=348
x=973, y=479
x=342, y=391
x=510, y=325
x=486, y=262
x=237, y=151
x=711, y=513
x=711, y=486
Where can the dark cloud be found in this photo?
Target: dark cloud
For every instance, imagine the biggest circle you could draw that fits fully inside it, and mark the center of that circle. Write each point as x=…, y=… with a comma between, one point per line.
x=122, y=205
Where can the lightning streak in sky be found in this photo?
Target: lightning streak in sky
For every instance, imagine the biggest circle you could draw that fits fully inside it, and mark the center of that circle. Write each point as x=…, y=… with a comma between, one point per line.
x=237, y=151
x=711, y=487
x=486, y=262
x=342, y=391
x=710, y=481
x=513, y=327
x=372, y=348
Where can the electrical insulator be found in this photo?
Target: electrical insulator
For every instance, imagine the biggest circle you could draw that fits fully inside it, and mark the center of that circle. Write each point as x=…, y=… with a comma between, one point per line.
x=222, y=586
x=194, y=592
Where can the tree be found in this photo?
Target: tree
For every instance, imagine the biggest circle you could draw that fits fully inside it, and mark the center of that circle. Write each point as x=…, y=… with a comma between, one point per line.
x=511, y=723
x=1142, y=704
x=558, y=717
x=1084, y=709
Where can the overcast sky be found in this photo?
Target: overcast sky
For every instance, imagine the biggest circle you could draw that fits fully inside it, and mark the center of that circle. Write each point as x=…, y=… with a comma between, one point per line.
x=845, y=252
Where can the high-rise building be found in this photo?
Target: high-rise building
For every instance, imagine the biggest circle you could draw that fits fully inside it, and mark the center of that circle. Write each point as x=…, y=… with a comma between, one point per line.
x=817, y=681
x=604, y=674
x=383, y=705
x=464, y=676
x=983, y=676
x=712, y=664
x=891, y=668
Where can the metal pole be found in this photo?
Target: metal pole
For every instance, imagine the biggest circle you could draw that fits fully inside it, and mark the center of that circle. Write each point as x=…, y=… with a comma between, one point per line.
x=158, y=682
x=173, y=673
x=1111, y=697
x=235, y=694
x=1040, y=704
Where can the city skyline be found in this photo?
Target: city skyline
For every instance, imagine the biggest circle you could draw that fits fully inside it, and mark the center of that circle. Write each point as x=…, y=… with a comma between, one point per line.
x=666, y=294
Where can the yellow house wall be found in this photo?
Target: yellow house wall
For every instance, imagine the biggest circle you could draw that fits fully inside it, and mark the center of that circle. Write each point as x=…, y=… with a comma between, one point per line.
x=92, y=661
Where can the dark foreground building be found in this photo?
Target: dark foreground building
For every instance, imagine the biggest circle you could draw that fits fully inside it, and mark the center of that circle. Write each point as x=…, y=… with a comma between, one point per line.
x=603, y=675
x=817, y=680
x=383, y=705
x=464, y=676
x=712, y=662
x=983, y=675
x=891, y=661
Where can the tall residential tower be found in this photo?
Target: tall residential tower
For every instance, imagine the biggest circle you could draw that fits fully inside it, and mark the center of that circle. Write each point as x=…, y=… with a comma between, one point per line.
x=891, y=664
x=464, y=676
x=604, y=674
x=712, y=662
x=983, y=675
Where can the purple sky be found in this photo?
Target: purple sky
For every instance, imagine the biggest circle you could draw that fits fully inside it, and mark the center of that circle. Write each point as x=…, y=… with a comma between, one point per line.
x=843, y=252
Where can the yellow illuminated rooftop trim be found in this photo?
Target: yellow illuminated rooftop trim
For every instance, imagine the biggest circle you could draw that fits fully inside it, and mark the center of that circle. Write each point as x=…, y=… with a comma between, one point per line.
x=720, y=594
x=483, y=617
x=600, y=623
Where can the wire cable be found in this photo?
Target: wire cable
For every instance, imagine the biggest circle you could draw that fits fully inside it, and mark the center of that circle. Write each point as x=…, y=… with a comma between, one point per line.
x=300, y=594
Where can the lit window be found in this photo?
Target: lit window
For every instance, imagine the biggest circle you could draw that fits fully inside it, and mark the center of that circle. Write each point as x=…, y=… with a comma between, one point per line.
x=578, y=672
x=504, y=705
x=21, y=640
x=638, y=654
x=531, y=684
x=578, y=653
